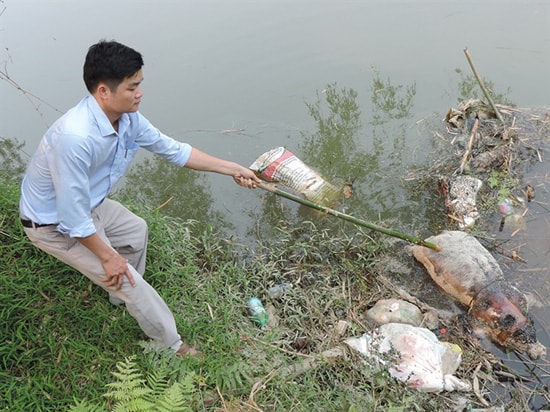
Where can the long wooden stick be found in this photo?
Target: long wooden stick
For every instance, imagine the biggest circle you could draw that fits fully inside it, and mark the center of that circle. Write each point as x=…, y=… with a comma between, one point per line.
x=270, y=187
x=482, y=85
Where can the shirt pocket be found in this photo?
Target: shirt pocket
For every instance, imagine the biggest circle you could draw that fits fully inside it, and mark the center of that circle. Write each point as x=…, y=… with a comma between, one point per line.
x=130, y=152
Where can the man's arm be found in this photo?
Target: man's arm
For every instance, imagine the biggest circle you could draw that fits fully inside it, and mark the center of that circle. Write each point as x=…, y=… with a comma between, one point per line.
x=204, y=162
x=115, y=266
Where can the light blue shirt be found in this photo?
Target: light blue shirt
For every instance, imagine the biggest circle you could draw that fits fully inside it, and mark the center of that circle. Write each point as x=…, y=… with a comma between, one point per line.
x=80, y=159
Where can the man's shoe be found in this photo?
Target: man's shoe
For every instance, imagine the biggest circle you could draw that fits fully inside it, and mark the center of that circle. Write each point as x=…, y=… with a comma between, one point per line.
x=187, y=350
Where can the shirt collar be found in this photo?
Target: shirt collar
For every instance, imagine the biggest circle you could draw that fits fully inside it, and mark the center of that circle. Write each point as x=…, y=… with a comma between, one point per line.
x=105, y=126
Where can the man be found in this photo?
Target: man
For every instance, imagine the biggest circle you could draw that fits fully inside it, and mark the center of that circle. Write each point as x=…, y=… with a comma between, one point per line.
x=64, y=206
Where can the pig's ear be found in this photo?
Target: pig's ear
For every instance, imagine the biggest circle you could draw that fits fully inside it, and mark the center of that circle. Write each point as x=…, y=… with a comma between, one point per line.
x=532, y=301
x=516, y=297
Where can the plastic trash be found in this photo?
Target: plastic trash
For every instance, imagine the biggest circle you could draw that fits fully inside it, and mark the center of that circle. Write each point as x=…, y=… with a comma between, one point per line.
x=460, y=199
x=281, y=165
x=420, y=360
x=505, y=207
x=394, y=311
x=257, y=310
x=279, y=290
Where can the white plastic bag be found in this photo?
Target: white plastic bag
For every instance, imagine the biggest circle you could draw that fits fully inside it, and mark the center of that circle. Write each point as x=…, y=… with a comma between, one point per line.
x=420, y=361
x=394, y=311
x=281, y=165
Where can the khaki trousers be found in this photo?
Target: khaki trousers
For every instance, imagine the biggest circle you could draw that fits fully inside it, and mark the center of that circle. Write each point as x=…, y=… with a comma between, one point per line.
x=127, y=234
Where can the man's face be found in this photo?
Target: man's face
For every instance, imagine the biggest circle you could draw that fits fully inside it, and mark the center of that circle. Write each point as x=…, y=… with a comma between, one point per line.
x=127, y=96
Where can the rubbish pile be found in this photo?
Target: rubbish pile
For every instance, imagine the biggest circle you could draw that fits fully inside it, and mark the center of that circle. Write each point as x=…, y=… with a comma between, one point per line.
x=413, y=355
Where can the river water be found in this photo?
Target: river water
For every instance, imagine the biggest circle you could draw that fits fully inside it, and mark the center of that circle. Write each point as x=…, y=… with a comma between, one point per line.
x=237, y=78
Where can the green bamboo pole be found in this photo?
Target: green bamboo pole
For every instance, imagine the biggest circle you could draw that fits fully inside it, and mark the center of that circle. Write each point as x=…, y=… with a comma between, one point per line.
x=270, y=187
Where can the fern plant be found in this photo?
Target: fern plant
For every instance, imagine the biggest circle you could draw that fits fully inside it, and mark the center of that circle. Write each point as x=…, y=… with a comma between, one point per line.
x=131, y=392
x=233, y=377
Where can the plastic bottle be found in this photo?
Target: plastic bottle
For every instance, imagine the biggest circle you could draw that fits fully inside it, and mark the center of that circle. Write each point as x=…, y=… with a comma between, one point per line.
x=257, y=310
x=279, y=290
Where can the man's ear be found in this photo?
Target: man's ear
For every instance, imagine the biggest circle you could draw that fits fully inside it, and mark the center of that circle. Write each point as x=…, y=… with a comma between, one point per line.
x=103, y=90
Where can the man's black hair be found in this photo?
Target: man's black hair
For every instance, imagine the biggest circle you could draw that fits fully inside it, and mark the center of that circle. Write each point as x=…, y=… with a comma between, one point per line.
x=110, y=62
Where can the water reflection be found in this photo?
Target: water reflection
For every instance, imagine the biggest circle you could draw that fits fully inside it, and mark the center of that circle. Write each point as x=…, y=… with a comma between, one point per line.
x=390, y=102
x=334, y=146
x=11, y=159
x=370, y=162
x=177, y=191
x=341, y=150
x=468, y=88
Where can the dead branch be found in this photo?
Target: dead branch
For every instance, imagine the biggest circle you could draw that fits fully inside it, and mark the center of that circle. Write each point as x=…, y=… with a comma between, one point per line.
x=470, y=144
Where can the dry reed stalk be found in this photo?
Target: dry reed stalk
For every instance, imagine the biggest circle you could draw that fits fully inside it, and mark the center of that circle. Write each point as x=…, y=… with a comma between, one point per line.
x=470, y=144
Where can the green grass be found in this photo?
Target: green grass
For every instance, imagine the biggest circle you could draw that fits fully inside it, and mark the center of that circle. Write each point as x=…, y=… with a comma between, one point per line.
x=62, y=340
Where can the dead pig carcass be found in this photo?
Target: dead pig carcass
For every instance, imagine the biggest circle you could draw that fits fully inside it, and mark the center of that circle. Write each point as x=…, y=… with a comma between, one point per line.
x=465, y=270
